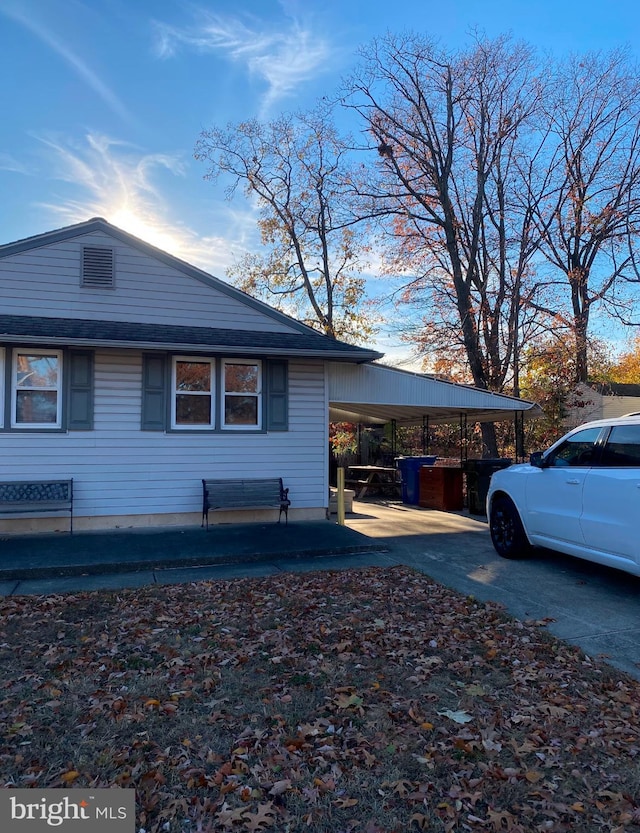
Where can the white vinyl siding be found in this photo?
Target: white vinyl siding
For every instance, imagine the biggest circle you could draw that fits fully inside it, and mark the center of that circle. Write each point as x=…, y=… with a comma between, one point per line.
x=588, y=404
x=120, y=470
x=146, y=290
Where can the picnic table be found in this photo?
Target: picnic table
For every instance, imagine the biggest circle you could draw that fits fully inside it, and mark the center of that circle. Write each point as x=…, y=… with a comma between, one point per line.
x=364, y=479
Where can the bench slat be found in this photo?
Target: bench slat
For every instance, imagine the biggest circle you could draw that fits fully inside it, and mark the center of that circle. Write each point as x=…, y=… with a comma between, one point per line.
x=249, y=493
x=36, y=497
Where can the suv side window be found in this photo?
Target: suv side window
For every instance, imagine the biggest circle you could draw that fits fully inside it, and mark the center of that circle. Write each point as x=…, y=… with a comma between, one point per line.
x=577, y=450
x=623, y=447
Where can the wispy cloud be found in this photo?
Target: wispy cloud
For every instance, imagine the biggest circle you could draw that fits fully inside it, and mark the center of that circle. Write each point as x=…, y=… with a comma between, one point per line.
x=10, y=163
x=18, y=12
x=283, y=57
x=117, y=181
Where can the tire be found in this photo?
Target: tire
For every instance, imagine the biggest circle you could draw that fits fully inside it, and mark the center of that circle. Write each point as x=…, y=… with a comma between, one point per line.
x=507, y=533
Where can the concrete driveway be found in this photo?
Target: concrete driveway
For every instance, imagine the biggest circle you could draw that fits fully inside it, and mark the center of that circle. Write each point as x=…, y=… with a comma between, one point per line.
x=594, y=607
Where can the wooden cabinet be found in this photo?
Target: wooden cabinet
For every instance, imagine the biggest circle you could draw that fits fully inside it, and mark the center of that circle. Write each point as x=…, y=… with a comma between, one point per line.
x=441, y=488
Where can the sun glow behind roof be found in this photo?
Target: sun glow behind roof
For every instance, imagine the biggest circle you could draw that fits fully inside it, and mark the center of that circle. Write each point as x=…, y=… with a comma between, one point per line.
x=152, y=233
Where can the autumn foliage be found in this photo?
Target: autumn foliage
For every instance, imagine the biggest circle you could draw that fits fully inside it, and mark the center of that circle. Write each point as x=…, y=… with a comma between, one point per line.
x=367, y=700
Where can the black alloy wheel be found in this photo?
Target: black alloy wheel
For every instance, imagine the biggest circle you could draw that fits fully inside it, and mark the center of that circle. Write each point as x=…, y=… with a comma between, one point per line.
x=507, y=533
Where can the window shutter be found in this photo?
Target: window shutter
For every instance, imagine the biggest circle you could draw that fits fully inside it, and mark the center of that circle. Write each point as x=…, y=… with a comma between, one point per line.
x=154, y=383
x=277, y=396
x=80, y=391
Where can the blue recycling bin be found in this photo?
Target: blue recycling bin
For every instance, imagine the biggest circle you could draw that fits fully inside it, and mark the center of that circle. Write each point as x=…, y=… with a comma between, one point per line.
x=410, y=472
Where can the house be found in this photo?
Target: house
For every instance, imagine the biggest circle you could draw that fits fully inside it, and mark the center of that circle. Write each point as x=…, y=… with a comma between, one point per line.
x=601, y=400
x=138, y=375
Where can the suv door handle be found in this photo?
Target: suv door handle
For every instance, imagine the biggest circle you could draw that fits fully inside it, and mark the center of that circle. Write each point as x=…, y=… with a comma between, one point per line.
x=573, y=482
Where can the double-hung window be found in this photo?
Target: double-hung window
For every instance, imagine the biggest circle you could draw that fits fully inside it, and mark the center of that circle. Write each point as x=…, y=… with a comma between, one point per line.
x=193, y=393
x=241, y=394
x=202, y=393
x=36, y=389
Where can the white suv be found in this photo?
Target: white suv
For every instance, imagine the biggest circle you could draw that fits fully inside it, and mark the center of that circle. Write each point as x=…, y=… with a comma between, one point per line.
x=580, y=497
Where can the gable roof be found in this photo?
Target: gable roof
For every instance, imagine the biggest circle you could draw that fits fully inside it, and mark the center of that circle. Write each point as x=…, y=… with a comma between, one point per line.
x=300, y=340
x=99, y=224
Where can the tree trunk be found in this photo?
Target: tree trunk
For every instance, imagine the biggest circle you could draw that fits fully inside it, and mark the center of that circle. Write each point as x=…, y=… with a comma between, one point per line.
x=489, y=441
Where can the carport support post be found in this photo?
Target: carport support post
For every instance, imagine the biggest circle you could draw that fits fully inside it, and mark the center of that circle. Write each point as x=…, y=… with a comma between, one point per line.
x=340, y=496
x=519, y=436
x=425, y=435
x=464, y=439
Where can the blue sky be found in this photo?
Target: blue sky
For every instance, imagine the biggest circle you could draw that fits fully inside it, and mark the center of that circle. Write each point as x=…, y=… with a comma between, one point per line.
x=102, y=100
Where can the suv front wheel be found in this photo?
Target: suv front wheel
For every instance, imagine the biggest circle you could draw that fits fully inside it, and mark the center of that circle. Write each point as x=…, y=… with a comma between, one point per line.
x=507, y=533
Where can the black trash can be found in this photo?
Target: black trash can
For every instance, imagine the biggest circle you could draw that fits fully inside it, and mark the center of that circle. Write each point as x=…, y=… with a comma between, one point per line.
x=478, y=474
x=410, y=472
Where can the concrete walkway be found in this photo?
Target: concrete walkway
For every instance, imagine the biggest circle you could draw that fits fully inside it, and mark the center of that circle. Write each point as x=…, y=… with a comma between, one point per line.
x=133, y=557
x=586, y=604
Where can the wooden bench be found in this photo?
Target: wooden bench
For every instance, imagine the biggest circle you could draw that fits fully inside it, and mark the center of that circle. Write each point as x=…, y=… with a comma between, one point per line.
x=37, y=497
x=258, y=493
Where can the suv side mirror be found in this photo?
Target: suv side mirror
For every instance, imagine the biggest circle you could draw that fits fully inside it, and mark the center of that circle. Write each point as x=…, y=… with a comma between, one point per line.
x=537, y=459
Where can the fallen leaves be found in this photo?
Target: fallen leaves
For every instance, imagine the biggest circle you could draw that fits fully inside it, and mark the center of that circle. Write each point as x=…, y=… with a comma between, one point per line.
x=369, y=700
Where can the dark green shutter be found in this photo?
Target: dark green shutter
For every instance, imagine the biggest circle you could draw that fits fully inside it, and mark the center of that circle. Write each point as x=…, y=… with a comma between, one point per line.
x=277, y=395
x=80, y=391
x=154, y=385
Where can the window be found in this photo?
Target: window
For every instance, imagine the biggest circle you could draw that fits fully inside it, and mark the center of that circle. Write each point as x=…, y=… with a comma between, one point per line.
x=242, y=394
x=182, y=393
x=623, y=447
x=193, y=391
x=577, y=450
x=46, y=390
x=36, y=389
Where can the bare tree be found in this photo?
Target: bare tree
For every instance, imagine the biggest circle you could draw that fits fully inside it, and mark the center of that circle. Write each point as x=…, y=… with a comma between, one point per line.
x=297, y=169
x=587, y=208
x=450, y=133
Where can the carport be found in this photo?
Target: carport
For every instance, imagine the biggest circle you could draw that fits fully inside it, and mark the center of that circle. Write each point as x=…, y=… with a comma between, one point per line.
x=376, y=394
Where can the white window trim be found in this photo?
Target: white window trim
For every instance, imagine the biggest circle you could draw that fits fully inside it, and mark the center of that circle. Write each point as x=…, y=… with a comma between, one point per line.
x=258, y=395
x=2, y=385
x=14, y=388
x=211, y=393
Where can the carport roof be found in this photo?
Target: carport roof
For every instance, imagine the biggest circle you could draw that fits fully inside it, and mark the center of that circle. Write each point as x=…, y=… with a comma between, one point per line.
x=377, y=394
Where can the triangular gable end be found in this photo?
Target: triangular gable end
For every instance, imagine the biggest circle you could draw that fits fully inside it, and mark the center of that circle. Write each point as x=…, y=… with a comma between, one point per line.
x=99, y=225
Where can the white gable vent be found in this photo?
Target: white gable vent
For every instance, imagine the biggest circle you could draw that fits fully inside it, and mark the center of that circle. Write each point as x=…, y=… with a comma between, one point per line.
x=97, y=267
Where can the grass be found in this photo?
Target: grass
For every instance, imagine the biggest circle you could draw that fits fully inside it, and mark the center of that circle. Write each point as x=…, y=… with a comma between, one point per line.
x=371, y=700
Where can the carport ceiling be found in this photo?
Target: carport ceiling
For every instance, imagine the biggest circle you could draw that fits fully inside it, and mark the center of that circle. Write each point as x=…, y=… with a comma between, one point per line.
x=377, y=394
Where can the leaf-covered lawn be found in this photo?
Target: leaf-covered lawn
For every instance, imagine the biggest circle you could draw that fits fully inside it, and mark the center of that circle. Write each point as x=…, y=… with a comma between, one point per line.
x=371, y=700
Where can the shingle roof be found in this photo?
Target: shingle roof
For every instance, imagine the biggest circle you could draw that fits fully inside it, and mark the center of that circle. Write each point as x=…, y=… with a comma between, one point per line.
x=616, y=388
x=88, y=333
